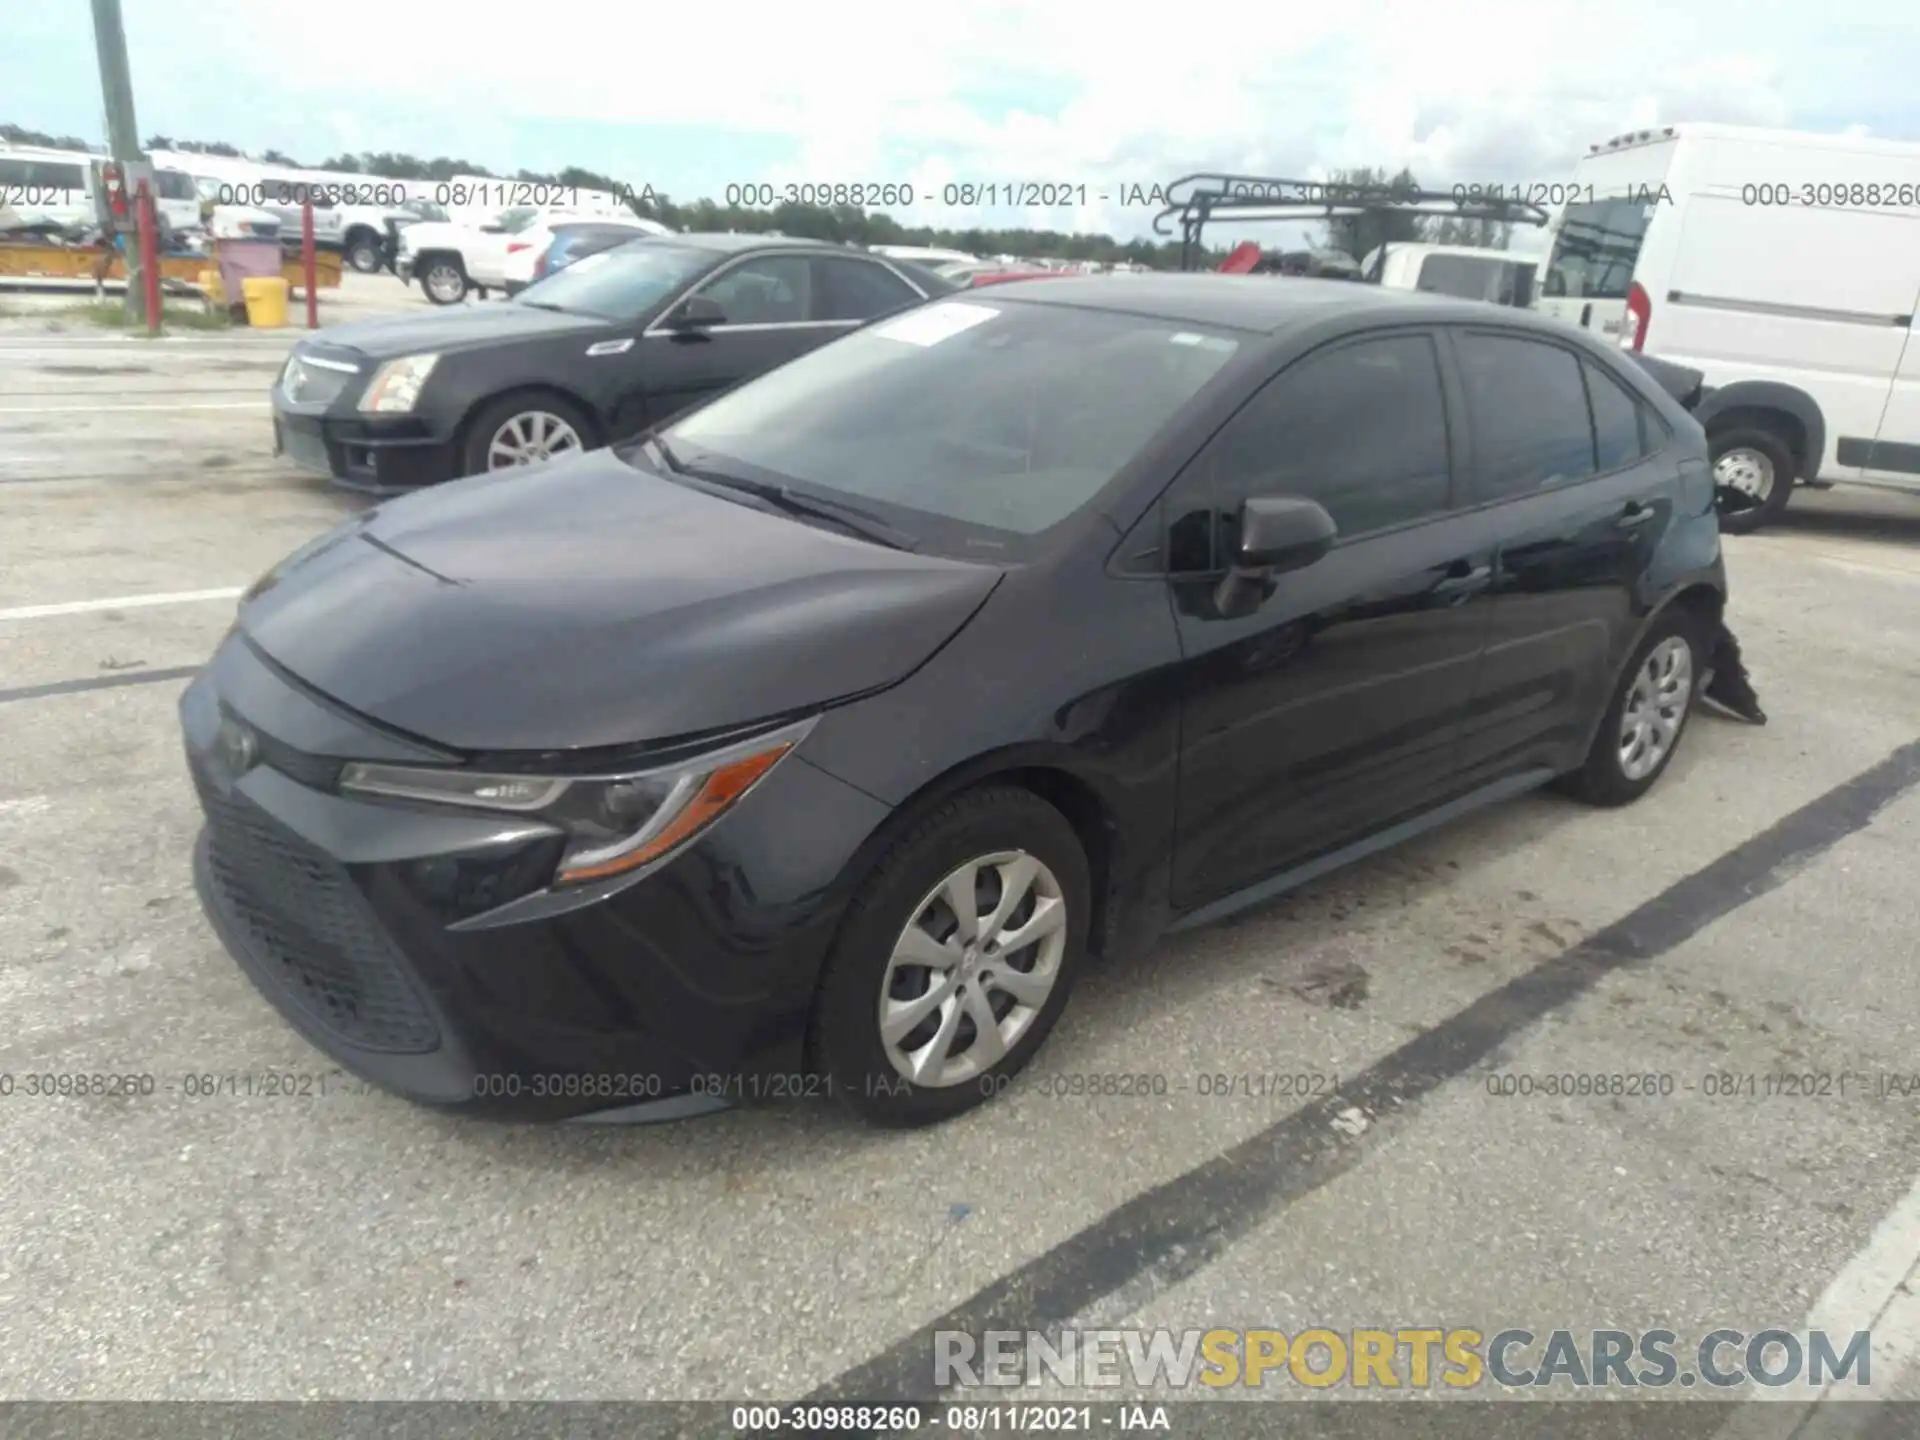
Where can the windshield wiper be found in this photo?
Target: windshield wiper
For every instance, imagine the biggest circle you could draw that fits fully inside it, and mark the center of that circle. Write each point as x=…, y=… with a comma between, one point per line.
x=851, y=518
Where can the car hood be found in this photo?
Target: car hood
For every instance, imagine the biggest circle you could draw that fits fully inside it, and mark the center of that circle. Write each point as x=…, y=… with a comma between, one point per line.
x=455, y=328
x=588, y=603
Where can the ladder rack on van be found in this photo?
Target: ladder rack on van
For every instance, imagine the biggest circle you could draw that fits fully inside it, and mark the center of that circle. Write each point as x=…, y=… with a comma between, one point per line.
x=1194, y=200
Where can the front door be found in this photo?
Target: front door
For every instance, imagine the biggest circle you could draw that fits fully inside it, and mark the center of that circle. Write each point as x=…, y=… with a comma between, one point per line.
x=771, y=312
x=1335, y=708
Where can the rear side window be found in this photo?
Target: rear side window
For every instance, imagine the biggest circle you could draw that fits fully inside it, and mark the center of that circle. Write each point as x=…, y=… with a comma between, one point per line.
x=1624, y=429
x=1361, y=428
x=859, y=289
x=1530, y=423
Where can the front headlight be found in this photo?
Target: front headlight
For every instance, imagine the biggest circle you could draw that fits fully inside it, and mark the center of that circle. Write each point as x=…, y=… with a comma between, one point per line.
x=616, y=823
x=396, y=385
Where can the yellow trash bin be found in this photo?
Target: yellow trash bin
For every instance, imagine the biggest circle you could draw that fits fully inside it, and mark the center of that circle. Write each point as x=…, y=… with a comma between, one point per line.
x=266, y=297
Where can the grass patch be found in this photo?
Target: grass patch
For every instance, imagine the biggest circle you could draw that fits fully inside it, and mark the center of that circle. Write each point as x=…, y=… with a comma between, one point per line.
x=113, y=315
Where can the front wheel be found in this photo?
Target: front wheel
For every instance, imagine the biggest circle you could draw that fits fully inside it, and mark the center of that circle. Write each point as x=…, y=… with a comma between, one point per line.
x=956, y=959
x=524, y=429
x=1752, y=478
x=1647, y=715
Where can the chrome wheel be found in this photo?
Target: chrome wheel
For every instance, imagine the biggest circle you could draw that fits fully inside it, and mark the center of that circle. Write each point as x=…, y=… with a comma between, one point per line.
x=1656, y=705
x=973, y=969
x=530, y=437
x=1747, y=471
x=444, y=283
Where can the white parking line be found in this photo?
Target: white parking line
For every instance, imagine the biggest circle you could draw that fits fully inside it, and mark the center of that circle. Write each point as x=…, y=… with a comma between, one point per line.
x=1870, y=1293
x=120, y=602
x=111, y=409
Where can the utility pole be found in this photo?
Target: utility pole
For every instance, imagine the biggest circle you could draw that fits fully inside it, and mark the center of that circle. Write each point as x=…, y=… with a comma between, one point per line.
x=123, y=135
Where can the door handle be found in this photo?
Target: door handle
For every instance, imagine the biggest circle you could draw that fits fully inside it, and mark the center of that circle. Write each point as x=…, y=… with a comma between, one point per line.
x=1586, y=317
x=1462, y=581
x=1635, y=514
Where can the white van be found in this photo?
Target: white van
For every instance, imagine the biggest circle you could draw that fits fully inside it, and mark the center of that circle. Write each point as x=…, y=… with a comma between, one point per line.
x=1783, y=266
x=1470, y=272
x=64, y=186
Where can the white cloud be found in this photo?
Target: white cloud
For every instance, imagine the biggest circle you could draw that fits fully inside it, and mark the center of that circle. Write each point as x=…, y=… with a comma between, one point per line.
x=1478, y=90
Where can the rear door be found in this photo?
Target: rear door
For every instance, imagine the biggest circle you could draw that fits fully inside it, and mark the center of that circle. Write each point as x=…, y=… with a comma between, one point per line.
x=1575, y=475
x=1895, y=456
x=1335, y=708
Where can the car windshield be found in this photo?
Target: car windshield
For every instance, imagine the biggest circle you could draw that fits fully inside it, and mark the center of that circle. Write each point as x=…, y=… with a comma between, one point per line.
x=962, y=418
x=621, y=283
x=513, y=221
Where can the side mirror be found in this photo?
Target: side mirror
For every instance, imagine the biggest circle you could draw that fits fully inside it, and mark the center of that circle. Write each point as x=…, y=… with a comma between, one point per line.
x=1277, y=535
x=1282, y=534
x=697, y=313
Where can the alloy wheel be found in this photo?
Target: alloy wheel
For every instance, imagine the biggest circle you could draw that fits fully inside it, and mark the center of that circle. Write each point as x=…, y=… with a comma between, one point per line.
x=444, y=283
x=1656, y=706
x=530, y=437
x=973, y=969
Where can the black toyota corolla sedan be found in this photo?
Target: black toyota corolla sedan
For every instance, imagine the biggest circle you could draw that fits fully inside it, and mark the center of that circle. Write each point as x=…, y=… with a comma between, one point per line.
x=812, y=743
x=600, y=350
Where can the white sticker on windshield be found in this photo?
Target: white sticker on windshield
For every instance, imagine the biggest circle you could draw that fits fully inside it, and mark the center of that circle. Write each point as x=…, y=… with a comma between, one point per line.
x=1187, y=337
x=934, y=323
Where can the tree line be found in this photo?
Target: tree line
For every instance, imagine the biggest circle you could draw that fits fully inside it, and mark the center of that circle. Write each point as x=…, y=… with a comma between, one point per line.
x=1353, y=235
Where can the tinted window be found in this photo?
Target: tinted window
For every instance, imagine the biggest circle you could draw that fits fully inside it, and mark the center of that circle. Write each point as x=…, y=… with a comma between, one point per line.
x=174, y=185
x=1596, y=250
x=517, y=219
x=1468, y=276
x=1621, y=432
x=972, y=423
x=1361, y=428
x=1530, y=425
x=859, y=289
x=772, y=290
x=620, y=284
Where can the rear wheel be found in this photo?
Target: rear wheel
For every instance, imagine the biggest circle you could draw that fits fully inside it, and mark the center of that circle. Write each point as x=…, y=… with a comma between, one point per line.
x=955, y=960
x=363, y=251
x=524, y=429
x=443, y=278
x=1649, y=711
x=1752, y=477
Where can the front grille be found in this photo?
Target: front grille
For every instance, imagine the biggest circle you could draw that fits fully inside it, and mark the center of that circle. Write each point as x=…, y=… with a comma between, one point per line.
x=312, y=384
x=310, y=928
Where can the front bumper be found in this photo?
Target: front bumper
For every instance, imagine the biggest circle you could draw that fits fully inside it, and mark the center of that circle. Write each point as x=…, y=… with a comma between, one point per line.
x=373, y=928
x=378, y=456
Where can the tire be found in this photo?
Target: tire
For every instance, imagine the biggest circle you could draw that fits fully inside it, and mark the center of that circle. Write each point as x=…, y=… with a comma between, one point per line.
x=1745, y=449
x=443, y=278
x=364, y=252
x=1609, y=777
x=1007, y=828
x=483, y=431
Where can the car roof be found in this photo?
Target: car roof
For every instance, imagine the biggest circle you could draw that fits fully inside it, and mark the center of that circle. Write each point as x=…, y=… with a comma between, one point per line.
x=733, y=244
x=1261, y=304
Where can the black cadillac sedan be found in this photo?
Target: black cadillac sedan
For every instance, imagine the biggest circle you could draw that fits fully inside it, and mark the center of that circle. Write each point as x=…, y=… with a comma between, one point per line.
x=811, y=744
x=598, y=351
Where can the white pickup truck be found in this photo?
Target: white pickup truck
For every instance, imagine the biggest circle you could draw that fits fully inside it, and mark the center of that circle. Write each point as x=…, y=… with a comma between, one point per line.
x=453, y=259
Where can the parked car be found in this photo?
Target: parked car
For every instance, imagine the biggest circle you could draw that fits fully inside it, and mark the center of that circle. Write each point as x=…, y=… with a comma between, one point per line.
x=456, y=258
x=823, y=733
x=1466, y=271
x=609, y=345
x=1785, y=267
x=553, y=244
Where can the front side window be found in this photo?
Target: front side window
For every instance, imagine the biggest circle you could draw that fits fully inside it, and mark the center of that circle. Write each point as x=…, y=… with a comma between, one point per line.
x=1530, y=422
x=966, y=425
x=772, y=290
x=1361, y=428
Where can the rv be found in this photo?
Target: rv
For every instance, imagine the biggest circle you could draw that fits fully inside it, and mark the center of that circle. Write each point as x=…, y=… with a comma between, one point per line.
x=1463, y=270
x=1783, y=266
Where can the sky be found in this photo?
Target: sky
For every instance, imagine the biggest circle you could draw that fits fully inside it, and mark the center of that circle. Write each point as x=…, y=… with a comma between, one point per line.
x=693, y=98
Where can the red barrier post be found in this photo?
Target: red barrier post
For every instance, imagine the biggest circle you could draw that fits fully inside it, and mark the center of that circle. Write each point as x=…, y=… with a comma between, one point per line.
x=149, y=227
x=307, y=265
